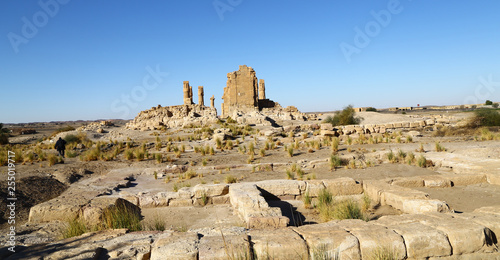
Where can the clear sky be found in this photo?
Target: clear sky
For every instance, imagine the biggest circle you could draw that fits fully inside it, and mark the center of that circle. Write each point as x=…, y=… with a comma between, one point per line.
x=72, y=60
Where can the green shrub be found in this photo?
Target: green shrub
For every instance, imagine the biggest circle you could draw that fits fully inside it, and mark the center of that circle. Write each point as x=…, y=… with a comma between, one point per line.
x=372, y=109
x=421, y=161
x=4, y=135
x=129, y=155
x=121, y=216
x=485, y=117
x=347, y=209
x=344, y=117
x=72, y=139
x=439, y=147
x=335, y=161
x=488, y=103
x=74, y=227
x=230, y=179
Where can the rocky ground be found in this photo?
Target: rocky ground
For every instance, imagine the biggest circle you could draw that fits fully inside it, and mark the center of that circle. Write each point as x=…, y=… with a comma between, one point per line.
x=464, y=178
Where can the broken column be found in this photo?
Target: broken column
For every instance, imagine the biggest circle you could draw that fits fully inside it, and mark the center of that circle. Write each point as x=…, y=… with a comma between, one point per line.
x=262, y=89
x=188, y=93
x=212, y=102
x=200, y=96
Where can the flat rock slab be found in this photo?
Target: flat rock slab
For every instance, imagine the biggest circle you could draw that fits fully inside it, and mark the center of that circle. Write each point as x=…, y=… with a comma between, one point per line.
x=224, y=247
x=330, y=239
x=176, y=245
x=280, y=244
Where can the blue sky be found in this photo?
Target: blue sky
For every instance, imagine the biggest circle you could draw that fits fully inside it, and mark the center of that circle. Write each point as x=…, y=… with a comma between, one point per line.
x=111, y=59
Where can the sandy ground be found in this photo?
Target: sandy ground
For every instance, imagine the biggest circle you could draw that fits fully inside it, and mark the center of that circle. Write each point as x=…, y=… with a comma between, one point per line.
x=231, y=163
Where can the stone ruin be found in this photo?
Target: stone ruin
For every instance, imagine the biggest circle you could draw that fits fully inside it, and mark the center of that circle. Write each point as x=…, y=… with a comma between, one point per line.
x=176, y=116
x=245, y=100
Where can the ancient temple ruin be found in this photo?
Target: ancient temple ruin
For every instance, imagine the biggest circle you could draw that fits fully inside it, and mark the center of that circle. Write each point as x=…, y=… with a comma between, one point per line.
x=244, y=93
x=244, y=100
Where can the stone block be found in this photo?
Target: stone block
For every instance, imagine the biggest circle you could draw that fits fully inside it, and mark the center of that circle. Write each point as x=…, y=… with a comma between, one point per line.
x=343, y=186
x=436, y=182
x=267, y=222
x=372, y=237
x=409, y=182
x=221, y=199
x=281, y=187
x=280, y=244
x=93, y=212
x=314, y=187
x=422, y=241
x=180, y=203
x=176, y=245
x=417, y=206
x=210, y=190
x=227, y=247
x=331, y=239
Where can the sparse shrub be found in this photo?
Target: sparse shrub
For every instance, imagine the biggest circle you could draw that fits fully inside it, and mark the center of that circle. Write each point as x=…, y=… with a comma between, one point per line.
x=335, y=161
x=262, y=152
x=121, y=216
x=204, y=162
x=484, y=117
x=251, y=148
x=349, y=140
x=159, y=158
x=230, y=179
x=401, y=155
x=307, y=200
x=421, y=148
x=409, y=139
x=391, y=157
x=300, y=173
x=52, y=159
x=439, y=147
x=344, y=117
x=421, y=161
x=398, y=139
x=335, y=145
x=347, y=209
x=218, y=143
x=410, y=157
x=383, y=253
x=352, y=164
x=367, y=201
x=204, y=199
x=155, y=174
x=290, y=151
x=139, y=154
x=74, y=227
x=129, y=154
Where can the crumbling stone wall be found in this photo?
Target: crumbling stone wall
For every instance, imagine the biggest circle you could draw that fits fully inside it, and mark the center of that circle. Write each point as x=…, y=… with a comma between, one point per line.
x=241, y=91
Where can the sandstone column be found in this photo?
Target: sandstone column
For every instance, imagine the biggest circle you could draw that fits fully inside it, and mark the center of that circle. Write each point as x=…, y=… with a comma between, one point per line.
x=200, y=96
x=188, y=93
x=212, y=102
x=262, y=89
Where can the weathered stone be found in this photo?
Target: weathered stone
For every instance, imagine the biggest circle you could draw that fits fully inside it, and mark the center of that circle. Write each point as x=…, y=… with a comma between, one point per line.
x=495, y=210
x=422, y=241
x=188, y=93
x=181, y=203
x=176, y=245
x=201, y=95
x=373, y=237
x=416, y=206
x=212, y=102
x=93, y=212
x=262, y=89
x=280, y=244
x=409, y=182
x=330, y=239
x=227, y=247
x=436, y=182
x=267, y=222
x=465, y=179
x=240, y=91
x=314, y=187
x=281, y=187
x=210, y=190
x=343, y=186
x=221, y=199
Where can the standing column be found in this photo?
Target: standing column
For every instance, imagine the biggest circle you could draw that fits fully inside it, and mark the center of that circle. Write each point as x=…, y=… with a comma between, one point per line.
x=212, y=102
x=188, y=93
x=262, y=89
x=200, y=96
